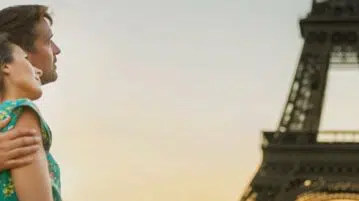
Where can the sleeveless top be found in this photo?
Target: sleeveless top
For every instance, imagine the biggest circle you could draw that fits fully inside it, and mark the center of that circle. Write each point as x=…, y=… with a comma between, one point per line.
x=14, y=110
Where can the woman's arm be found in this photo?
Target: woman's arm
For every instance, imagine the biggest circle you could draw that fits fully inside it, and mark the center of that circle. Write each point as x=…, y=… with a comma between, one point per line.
x=17, y=147
x=32, y=182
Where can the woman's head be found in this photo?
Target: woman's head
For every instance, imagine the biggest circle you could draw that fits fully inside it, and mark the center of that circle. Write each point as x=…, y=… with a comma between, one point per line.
x=18, y=78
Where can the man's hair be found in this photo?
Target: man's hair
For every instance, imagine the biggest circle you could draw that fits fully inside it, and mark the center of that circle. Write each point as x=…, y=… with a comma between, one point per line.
x=6, y=49
x=20, y=23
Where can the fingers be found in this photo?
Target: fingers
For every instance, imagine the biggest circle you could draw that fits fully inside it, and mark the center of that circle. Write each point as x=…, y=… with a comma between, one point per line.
x=4, y=122
x=19, y=162
x=22, y=152
x=18, y=147
x=18, y=133
x=22, y=142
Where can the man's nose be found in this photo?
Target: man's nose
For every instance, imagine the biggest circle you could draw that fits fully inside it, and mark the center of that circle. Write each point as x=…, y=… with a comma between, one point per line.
x=55, y=49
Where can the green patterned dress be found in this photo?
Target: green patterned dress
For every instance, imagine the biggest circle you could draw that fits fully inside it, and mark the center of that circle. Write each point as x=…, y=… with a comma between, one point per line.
x=14, y=110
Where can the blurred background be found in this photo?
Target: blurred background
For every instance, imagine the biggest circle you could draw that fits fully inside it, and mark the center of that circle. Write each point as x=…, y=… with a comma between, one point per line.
x=165, y=99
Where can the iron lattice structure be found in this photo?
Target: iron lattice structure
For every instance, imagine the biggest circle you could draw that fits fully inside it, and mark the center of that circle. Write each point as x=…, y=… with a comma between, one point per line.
x=300, y=162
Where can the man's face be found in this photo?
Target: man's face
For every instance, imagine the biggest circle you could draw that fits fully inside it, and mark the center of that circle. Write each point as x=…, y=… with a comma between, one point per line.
x=44, y=54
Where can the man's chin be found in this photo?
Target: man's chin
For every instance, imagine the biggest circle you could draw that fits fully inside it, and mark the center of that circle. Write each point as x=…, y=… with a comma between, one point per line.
x=49, y=78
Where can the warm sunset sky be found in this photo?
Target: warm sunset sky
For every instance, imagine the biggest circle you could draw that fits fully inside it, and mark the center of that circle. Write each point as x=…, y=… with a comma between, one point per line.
x=162, y=100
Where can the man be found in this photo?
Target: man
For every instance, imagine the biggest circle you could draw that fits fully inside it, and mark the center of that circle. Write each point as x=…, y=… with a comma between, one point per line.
x=29, y=26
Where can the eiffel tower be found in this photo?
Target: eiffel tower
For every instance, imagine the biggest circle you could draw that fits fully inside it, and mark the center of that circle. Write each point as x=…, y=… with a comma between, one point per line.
x=300, y=162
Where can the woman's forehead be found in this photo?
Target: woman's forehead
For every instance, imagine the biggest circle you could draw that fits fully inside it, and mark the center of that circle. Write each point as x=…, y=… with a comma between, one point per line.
x=17, y=49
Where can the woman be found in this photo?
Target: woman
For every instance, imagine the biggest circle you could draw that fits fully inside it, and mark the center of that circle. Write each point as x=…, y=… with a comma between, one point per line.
x=19, y=85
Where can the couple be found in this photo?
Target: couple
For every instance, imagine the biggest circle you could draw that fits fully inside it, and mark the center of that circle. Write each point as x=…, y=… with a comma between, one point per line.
x=28, y=172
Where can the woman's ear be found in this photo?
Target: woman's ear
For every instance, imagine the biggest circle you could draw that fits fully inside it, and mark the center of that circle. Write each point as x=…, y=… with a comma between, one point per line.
x=5, y=69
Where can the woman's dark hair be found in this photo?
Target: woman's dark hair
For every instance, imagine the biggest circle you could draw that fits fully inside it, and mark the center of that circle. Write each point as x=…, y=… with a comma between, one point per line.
x=6, y=48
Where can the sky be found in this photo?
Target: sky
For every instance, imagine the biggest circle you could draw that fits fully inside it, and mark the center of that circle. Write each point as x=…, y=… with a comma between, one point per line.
x=166, y=99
